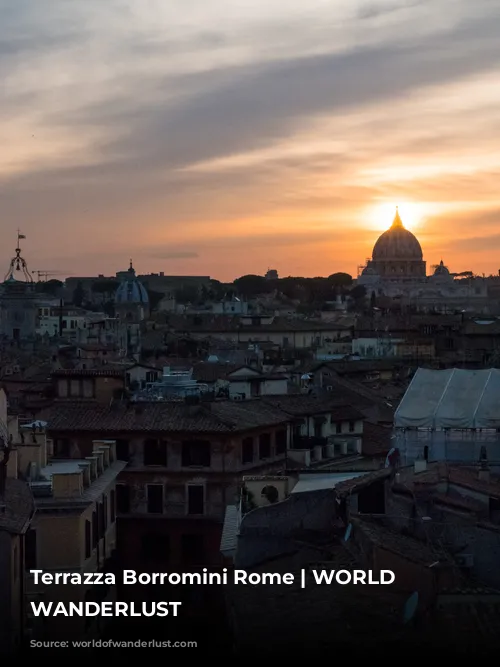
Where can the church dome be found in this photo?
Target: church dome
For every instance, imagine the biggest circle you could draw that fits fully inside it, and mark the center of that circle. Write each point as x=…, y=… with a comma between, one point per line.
x=397, y=243
x=441, y=270
x=441, y=273
x=131, y=290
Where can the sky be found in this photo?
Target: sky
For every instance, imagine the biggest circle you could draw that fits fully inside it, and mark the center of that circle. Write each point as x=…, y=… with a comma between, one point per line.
x=225, y=137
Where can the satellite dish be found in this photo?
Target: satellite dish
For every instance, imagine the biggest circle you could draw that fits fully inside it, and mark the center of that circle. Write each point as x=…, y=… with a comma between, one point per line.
x=410, y=607
x=348, y=533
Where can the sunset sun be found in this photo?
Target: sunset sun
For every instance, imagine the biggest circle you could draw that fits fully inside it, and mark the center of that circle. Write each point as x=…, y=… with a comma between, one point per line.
x=380, y=216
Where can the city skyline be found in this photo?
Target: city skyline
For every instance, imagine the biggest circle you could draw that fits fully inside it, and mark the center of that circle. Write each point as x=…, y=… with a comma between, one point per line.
x=233, y=138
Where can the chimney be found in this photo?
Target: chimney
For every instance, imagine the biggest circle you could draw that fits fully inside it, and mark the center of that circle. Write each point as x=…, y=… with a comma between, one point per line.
x=93, y=467
x=67, y=485
x=484, y=475
x=85, y=468
x=420, y=465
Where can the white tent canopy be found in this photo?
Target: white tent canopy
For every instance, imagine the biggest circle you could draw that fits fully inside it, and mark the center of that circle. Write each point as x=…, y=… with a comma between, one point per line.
x=454, y=398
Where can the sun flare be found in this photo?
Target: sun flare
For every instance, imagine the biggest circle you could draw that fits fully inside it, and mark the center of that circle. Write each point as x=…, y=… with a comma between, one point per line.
x=380, y=216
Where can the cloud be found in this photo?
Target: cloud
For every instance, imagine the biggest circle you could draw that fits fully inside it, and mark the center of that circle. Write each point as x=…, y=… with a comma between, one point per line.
x=174, y=254
x=158, y=128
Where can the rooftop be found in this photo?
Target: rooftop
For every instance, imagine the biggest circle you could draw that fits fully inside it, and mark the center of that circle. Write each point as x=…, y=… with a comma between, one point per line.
x=16, y=506
x=124, y=416
x=463, y=476
x=89, y=372
x=301, y=405
x=398, y=543
x=90, y=493
x=319, y=615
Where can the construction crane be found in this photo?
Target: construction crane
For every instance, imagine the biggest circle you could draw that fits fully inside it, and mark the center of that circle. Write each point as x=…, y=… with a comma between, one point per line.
x=44, y=275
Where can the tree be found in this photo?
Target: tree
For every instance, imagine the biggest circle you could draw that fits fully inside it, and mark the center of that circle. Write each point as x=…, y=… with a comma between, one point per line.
x=105, y=286
x=251, y=285
x=52, y=286
x=187, y=294
x=154, y=298
x=358, y=293
x=340, y=279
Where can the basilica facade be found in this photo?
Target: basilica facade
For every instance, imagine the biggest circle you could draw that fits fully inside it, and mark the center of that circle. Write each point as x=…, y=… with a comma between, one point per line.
x=397, y=269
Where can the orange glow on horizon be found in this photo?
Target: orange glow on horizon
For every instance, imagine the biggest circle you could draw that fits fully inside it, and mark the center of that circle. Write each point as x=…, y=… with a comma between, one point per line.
x=381, y=216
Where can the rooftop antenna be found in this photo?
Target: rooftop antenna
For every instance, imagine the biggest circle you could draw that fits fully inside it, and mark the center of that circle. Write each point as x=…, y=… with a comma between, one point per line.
x=18, y=263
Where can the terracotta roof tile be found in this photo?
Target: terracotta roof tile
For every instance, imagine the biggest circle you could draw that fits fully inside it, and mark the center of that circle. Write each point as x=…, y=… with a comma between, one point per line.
x=19, y=506
x=299, y=405
x=89, y=372
x=123, y=416
x=406, y=546
x=376, y=439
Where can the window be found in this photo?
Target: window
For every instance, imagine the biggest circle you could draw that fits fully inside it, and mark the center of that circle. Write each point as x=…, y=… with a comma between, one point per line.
x=88, y=539
x=112, y=506
x=105, y=512
x=338, y=428
x=155, y=546
x=155, y=453
x=371, y=499
x=95, y=530
x=122, y=499
x=281, y=441
x=352, y=427
x=122, y=450
x=254, y=387
x=155, y=498
x=30, y=557
x=100, y=520
x=264, y=446
x=196, y=453
x=196, y=499
x=318, y=429
x=426, y=453
x=193, y=549
x=247, y=450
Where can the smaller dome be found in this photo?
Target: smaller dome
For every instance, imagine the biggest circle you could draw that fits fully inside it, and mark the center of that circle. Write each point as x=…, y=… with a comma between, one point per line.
x=441, y=270
x=131, y=290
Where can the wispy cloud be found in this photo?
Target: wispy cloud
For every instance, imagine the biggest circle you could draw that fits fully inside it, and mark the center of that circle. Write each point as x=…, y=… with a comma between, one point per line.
x=178, y=133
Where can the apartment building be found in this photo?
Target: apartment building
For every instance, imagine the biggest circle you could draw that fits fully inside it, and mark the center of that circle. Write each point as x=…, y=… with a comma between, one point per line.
x=16, y=513
x=73, y=529
x=182, y=465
